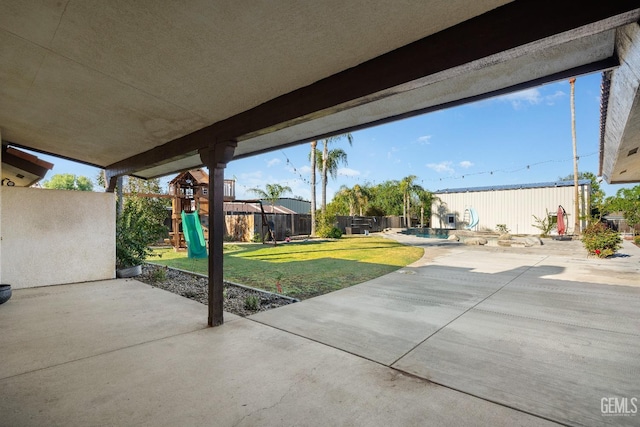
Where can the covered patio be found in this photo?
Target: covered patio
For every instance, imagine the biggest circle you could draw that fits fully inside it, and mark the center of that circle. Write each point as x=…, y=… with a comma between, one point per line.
x=465, y=336
x=120, y=352
x=150, y=88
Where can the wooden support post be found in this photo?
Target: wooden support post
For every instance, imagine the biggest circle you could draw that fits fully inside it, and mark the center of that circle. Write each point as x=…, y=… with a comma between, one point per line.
x=216, y=157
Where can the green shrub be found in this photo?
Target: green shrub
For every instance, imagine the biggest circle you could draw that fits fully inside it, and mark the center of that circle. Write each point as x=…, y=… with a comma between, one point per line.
x=329, y=232
x=137, y=228
x=326, y=227
x=502, y=228
x=600, y=240
x=544, y=224
x=636, y=240
x=159, y=274
x=257, y=238
x=252, y=302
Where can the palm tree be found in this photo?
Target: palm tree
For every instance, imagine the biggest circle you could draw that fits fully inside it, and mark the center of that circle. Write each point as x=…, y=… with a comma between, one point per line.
x=426, y=199
x=407, y=187
x=272, y=193
x=313, y=158
x=576, y=204
x=330, y=162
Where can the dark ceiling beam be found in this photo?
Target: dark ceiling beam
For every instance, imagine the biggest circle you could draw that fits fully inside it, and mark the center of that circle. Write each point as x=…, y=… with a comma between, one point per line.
x=510, y=26
x=603, y=65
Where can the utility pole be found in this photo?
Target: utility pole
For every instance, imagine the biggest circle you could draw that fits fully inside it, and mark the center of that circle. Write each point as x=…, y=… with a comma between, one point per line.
x=576, y=193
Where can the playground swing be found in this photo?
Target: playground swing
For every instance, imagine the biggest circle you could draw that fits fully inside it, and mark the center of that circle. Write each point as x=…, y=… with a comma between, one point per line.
x=265, y=223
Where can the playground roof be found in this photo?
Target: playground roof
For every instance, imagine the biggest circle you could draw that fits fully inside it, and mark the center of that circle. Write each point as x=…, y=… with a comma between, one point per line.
x=140, y=87
x=199, y=175
x=254, y=207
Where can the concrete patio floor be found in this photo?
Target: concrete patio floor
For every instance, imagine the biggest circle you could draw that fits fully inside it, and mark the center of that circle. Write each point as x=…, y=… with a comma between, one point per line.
x=465, y=336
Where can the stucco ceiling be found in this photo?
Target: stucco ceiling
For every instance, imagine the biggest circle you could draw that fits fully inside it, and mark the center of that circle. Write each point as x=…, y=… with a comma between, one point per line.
x=108, y=81
x=620, y=150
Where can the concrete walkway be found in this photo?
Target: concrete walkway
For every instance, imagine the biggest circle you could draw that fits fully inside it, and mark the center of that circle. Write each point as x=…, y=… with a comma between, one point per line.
x=466, y=336
x=545, y=330
x=121, y=353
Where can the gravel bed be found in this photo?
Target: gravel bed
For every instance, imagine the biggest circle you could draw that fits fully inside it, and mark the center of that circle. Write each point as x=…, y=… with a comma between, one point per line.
x=195, y=287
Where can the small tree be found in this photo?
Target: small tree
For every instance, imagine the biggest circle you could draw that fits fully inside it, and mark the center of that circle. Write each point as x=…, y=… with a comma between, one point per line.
x=140, y=223
x=544, y=224
x=272, y=193
x=627, y=201
x=136, y=229
x=69, y=181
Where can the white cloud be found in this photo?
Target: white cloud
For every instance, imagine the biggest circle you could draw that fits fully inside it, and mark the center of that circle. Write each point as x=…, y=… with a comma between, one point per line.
x=530, y=97
x=551, y=99
x=466, y=164
x=390, y=153
x=305, y=170
x=519, y=99
x=442, y=167
x=348, y=172
x=425, y=139
x=273, y=162
x=251, y=176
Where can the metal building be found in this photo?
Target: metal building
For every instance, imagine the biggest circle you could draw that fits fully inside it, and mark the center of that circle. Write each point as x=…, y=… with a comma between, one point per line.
x=483, y=208
x=296, y=205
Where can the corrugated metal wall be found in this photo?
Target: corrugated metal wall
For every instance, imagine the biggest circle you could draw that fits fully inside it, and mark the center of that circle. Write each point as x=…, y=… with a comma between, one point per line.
x=513, y=207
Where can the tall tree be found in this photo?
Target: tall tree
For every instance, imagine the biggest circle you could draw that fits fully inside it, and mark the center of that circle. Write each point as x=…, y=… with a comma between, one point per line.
x=355, y=197
x=312, y=157
x=408, y=188
x=627, y=201
x=576, y=204
x=69, y=181
x=330, y=162
x=140, y=220
x=426, y=199
x=272, y=193
x=597, y=196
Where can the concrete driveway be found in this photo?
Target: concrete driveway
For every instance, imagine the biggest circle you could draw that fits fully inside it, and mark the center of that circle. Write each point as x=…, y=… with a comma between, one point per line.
x=544, y=330
x=466, y=336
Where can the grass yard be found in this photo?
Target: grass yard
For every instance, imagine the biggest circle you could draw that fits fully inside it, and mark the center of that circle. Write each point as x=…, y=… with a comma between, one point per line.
x=305, y=269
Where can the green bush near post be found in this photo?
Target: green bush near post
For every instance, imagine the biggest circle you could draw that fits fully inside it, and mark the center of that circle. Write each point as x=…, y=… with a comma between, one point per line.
x=601, y=241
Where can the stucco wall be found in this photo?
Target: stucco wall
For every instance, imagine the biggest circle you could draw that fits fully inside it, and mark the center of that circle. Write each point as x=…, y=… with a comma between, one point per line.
x=51, y=237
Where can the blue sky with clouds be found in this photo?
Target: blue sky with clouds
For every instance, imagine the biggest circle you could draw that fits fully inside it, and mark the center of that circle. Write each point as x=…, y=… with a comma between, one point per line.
x=519, y=138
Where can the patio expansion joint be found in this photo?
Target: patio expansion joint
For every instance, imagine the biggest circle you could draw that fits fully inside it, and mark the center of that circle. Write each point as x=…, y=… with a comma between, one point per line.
x=400, y=371
x=100, y=354
x=317, y=342
x=480, y=397
x=469, y=309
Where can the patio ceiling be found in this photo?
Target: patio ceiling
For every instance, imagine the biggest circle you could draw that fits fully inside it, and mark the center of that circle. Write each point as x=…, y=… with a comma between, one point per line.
x=620, y=134
x=139, y=87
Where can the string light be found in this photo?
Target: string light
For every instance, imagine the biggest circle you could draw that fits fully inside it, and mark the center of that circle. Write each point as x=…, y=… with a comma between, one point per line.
x=525, y=167
x=306, y=181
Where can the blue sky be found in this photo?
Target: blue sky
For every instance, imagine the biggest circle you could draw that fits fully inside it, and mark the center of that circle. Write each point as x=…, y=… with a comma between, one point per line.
x=519, y=138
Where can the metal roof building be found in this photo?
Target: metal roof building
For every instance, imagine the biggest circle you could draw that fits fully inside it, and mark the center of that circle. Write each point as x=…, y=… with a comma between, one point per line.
x=511, y=205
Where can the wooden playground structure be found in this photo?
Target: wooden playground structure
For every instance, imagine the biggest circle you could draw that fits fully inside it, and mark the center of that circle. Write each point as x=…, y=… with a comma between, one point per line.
x=189, y=193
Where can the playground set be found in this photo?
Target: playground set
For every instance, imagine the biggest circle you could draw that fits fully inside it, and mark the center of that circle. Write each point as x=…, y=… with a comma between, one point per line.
x=190, y=212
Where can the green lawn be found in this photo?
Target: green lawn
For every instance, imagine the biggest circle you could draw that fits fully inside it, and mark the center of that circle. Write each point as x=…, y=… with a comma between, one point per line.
x=307, y=269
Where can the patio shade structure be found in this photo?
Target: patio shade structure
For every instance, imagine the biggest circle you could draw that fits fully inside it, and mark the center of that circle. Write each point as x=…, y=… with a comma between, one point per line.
x=150, y=88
